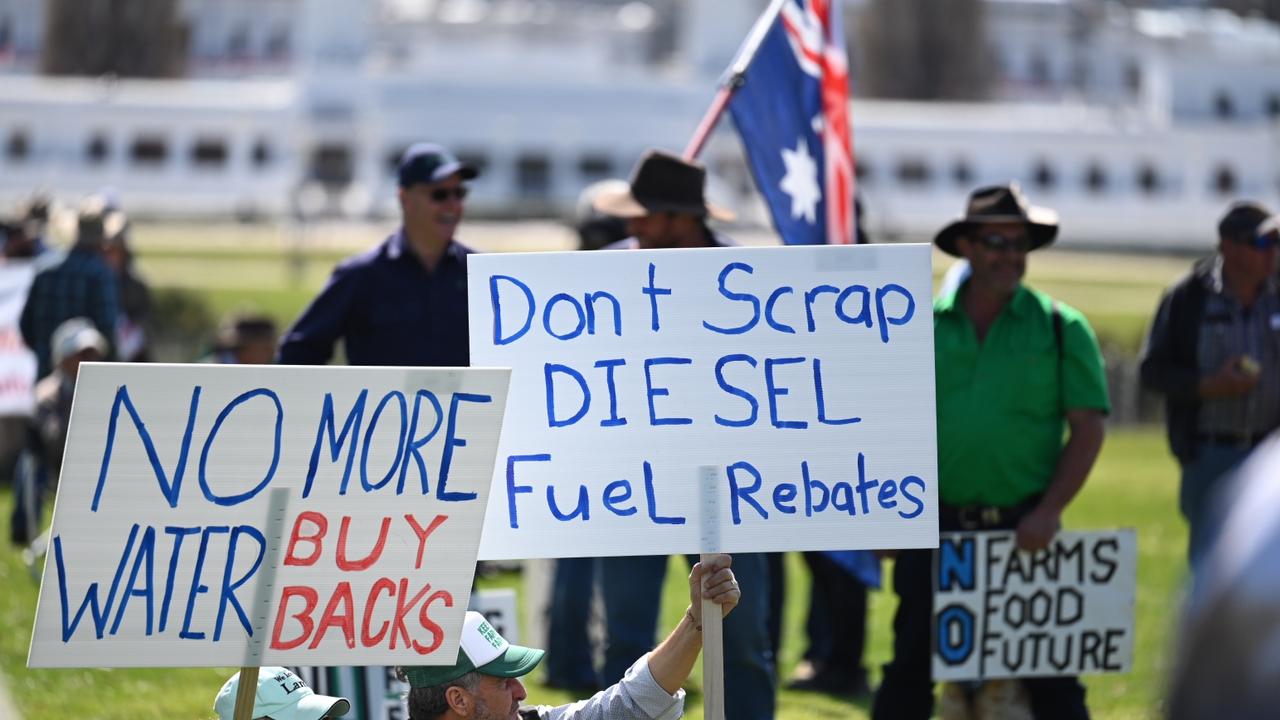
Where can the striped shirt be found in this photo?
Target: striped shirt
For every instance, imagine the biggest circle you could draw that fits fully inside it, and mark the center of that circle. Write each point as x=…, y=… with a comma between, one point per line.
x=1227, y=330
x=636, y=697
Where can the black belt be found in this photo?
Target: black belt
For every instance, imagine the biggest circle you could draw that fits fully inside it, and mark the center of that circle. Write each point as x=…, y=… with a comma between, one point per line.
x=984, y=517
x=1243, y=440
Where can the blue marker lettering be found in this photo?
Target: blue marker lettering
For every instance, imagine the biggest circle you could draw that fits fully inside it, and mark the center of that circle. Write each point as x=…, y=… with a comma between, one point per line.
x=451, y=441
x=197, y=587
x=812, y=295
x=414, y=447
x=229, y=587
x=495, y=301
x=736, y=297
x=546, y=316
x=737, y=391
x=591, y=299
x=615, y=493
x=400, y=441
x=774, y=392
x=903, y=319
x=650, y=498
x=653, y=292
x=608, y=365
x=737, y=492
x=169, y=489
x=822, y=402
x=653, y=392
x=100, y=613
x=512, y=488
x=228, y=500
x=549, y=371
x=350, y=429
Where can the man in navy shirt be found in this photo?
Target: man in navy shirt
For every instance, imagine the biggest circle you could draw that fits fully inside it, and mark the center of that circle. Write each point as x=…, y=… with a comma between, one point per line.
x=403, y=303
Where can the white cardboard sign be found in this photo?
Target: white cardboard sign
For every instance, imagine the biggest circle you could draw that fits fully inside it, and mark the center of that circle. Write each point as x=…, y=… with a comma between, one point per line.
x=17, y=362
x=719, y=399
x=216, y=515
x=1065, y=610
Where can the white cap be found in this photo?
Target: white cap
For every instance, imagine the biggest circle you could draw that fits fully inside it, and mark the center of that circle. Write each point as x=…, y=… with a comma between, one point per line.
x=73, y=336
x=281, y=696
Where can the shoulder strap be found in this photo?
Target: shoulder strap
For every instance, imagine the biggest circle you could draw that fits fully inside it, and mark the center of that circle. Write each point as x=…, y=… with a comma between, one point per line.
x=1057, y=339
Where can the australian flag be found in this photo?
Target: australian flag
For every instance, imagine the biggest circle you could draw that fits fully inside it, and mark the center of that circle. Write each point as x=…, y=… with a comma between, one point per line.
x=792, y=110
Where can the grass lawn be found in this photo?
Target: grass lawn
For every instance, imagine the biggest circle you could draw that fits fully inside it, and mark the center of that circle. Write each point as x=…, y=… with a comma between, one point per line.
x=1133, y=485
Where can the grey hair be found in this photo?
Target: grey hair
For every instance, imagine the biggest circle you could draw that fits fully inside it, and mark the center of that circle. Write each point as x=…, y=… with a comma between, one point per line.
x=428, y=703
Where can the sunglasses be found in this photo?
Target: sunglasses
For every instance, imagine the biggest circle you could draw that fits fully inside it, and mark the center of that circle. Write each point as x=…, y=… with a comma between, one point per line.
x=443, y=194
x=1003, y=243
x=1263, y=241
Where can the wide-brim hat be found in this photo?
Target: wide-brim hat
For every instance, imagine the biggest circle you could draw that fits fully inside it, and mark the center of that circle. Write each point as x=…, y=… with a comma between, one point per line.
x=662, y=182
x=480, y=649
x=1000, y=204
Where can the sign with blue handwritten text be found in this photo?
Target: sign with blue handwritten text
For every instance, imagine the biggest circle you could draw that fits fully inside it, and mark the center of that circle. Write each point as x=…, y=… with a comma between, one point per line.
x=735, y=399
x=219, y=515
x=1065, y=610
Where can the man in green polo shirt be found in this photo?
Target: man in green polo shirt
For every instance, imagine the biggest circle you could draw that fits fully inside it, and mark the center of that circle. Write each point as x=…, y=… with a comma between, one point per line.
x=1014, y=368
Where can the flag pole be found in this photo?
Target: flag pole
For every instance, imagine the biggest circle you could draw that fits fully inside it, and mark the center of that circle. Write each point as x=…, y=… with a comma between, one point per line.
x=733, y=79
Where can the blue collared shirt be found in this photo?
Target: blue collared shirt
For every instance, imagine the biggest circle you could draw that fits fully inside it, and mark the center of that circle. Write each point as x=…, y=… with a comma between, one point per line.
x=388, y=309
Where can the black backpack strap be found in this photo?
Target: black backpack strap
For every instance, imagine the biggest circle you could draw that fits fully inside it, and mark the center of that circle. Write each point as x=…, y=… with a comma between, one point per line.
x=1057, y=338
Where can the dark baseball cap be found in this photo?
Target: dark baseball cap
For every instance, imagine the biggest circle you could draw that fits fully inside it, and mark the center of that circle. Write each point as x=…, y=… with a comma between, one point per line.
x=429, y=162
x=1245, y=219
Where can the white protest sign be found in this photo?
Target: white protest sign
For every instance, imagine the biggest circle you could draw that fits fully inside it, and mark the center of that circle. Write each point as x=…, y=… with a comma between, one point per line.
x=215, y=515
x=1065, y=610
x=718, y=399
x=17, y=362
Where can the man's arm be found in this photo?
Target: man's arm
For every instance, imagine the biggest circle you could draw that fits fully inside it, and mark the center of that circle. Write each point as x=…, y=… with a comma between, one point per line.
x=672, y=661
x=1161, y=369
x=310, y=341
x=1037, y=529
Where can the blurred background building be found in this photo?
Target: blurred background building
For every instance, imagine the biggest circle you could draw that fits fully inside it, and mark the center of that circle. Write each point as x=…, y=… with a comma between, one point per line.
x=1136, y=120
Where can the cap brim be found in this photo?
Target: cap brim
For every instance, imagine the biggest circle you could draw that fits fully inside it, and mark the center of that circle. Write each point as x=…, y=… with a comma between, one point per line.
x=621, y=203
x=315, y=707
x=515, y=662
x=468, y=172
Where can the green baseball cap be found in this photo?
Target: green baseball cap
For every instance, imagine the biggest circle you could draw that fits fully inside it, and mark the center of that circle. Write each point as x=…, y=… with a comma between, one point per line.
x=481, y=648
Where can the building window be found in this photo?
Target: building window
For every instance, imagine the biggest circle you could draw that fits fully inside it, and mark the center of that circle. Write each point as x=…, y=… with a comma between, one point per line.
x=1038, y=70
x=1224, y=180
x=238, y=43
x=18, y=148
x=595, y=167
x=1223, y=106
x=278, y=44
x=962, y=173
x=1133, y=78
x=913, y=171
x=332, y=164
x=864, y=170
x=475, y=158
x=261, y=154
x=1148, y=179
x=393, y=160
x=209, y=153
x=149, y=150
x=1043, y=175
x=1095, y=178
x=97, y=150
x=533, y=176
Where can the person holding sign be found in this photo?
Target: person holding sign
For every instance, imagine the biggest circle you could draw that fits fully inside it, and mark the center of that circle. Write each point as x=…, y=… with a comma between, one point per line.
x=403, y=303
x=665, y=207
x=1212, y=354
x=485, y=682
x=1012, y=367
